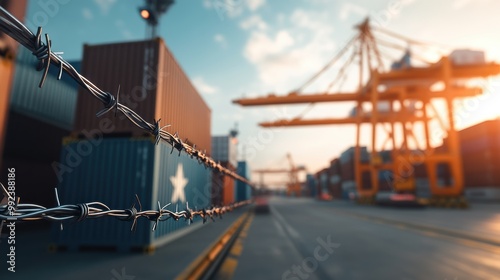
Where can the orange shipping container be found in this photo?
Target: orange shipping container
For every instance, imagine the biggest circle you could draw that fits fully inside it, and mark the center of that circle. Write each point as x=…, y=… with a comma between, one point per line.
x=6, y=70
x=18, y=9
x=152, y=83
x=223, y=192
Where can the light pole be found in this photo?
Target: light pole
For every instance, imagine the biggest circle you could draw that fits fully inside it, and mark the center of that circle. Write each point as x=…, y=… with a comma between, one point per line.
x=151, y=12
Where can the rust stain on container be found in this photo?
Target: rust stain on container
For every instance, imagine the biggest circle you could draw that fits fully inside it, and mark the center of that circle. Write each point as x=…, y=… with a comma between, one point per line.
x=152, y=83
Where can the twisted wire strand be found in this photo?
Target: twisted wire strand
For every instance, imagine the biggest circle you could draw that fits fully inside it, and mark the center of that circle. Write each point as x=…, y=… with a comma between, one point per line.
x=43, y=52
x=94, y=210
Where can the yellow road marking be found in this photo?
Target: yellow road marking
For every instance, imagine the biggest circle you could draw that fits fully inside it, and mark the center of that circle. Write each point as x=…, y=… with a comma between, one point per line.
x=231, y=262
x=227, y=269
x=196, y=269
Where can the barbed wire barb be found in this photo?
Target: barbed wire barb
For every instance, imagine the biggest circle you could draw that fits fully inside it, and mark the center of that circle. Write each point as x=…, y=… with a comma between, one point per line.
x=93, y=210
x=43, y=52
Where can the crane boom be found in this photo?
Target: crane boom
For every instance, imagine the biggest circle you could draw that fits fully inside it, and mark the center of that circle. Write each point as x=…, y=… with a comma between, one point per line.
x=414, y=92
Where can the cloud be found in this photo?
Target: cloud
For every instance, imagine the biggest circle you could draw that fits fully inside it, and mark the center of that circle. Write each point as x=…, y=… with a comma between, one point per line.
x=221, y=40
x=208, y=3
x=203, y=86
x=253, y=5
x=283, y=57
x=233, y=8
x=262, y=47
x=348, y=9
x=87, y=14
x=105, y=5
x=254, y=21
x=459, y=4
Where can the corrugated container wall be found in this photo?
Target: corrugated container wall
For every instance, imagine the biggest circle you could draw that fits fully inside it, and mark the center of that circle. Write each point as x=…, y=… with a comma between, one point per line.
x=152, y=83
x=223, y=192
x=224, y=149
x=115, y=171
x=243, y=191
x=8, y=49
x=335, y=179
x=54, y=103
x=5, y=76
x=311, y=185
x=18, y=9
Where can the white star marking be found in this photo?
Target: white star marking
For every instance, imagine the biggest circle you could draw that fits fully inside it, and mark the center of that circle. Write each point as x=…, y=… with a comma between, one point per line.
x=179, y=183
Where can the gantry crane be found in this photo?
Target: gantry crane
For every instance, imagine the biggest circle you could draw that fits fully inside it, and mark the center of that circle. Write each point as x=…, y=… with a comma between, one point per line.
x=293, y=185
x=407, y=94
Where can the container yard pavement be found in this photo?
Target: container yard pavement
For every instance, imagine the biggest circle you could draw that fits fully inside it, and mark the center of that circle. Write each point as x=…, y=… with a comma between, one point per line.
x=480, y=222
x=284, y=244
x=33, y=261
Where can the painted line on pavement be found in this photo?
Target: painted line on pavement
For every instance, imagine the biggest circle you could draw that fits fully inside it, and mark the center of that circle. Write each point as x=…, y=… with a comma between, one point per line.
x=230, y=263
x=201, y=265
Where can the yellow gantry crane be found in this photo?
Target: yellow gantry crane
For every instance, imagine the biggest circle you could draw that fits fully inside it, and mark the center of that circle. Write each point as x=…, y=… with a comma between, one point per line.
x=293, y=185
x=400, y=102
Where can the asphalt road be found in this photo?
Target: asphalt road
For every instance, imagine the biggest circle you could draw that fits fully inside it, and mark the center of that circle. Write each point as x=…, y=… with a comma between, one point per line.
x=305, y=239
x=299, y=239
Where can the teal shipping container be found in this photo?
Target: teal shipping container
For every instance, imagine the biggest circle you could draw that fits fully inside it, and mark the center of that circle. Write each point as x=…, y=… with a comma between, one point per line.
x=113, y=171
x=243, y=191
x=54, y=103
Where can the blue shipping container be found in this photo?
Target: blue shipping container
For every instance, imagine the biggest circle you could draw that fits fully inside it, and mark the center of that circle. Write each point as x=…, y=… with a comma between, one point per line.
x=113, y=171
x=54, y=103
x=243, y=191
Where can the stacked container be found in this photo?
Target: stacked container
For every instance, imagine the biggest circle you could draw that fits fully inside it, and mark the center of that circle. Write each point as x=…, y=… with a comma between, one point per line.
x=311, y=185
x=334, y=179
x=6, y=67
x=8, y=48
x=243, y=190
x=115, y=170
x=110, y=160
x=43, y=113
x=224, y=150
x=152, y=83
x=480, y=148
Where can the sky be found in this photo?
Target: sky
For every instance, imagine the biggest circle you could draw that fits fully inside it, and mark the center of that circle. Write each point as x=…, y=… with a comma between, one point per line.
x=236, y=48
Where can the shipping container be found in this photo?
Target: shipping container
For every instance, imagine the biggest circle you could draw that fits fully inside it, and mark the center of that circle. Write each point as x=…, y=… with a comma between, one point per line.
x=54, y=103
x=243, y=190
x=467, y=57
x=113, y=171
x=349, y=190
x=152, y=83
x=5, y=78
x=311, y=185
x=480, y=149
x=334, y=178
x=22, y=152
x=224, y=149
x=483, y=194
x=223, y=186
x=18, y=9
x=348, y=155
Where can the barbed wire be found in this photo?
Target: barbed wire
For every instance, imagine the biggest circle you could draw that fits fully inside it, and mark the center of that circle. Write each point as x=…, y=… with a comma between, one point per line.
x=93, y=210
x=43, y=52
